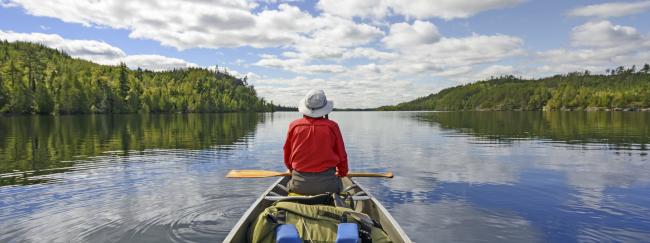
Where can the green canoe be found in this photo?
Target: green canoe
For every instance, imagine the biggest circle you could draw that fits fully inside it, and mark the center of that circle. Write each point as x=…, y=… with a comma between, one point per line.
x=364, y=203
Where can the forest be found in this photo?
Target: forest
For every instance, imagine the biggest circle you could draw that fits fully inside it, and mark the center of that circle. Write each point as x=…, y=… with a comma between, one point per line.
x=35, y=79
x=619, y=89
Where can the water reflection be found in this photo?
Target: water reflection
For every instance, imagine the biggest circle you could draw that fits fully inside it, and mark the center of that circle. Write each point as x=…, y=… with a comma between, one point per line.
x=31, y=146
x=622, y=130
x=456, y=221
x=129, y=178
x=154, y=196
x=576, y=133
x=469, y=177
x=560, y=172
x=591, y=166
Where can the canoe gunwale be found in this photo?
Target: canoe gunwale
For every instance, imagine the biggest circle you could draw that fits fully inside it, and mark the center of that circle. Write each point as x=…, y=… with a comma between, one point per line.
x=245, y=217
x=241, y=227
x=384, y=213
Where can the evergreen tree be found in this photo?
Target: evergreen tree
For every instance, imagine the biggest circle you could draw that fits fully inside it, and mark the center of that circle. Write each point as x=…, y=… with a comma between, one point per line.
x=3, y=98
x=620, y=70
x=645, y=69
x=37, y=79
x=573, y=91
x=124, y=81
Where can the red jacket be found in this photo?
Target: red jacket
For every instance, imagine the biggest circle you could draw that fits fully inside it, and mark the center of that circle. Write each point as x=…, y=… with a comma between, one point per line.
x=315, y=145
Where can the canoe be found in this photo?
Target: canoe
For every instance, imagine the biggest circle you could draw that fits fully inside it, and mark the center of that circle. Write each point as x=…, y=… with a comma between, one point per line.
x=364, y=203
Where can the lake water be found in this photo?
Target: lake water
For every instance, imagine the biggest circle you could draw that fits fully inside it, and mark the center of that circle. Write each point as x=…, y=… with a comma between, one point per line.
x=460, y=176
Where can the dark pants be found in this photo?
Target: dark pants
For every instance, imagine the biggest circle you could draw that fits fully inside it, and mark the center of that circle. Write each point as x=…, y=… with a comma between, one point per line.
x=308, y=183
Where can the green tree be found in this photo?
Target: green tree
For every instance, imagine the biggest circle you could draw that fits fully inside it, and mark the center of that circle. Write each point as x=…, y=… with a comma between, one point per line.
x=22, y=95
x=645, y=69
x=577, y=90
x=3, y=98
x=124, y=81
x=37, y=79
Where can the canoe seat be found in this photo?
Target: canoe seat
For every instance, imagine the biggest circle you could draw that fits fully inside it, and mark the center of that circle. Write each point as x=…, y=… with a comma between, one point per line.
x=360, y=193
x=283, y=188
x=350, y=188
x=276, y=198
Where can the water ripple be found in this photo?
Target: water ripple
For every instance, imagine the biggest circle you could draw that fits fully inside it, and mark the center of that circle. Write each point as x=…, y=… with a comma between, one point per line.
x=462, y=178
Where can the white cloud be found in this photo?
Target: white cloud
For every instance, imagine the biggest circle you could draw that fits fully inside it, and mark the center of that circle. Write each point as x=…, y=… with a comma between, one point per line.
x=603, y=34
x=321, y=69
x=490, y=72
x=330, y=43
x=421, y=9
x=394, y=76
x=351, y=8
x=309, y=49
x=156, y=62
x=211, y=24
x=98, y=51
x=347, y=44
x=297, y=65
x=6, y=4
x=274, y=62
x=449, y=220
x=475, y=49
x=369, y=53
x=447, y=9
x=453, y=72
x=419, y=33
x=346, y=33
x=332, y=38
x=599, y=46
x=605, y=10
x=468, y=74
x=347, y=91
x=457, y=52
x=496, y=70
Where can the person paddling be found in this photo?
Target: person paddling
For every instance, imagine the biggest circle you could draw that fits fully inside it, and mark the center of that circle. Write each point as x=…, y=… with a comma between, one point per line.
x=314, y=151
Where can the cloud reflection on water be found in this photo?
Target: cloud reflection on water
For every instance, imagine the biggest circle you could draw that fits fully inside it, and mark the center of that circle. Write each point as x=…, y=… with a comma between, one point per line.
x=577, y=159
x=453, y=221
x=454, y=182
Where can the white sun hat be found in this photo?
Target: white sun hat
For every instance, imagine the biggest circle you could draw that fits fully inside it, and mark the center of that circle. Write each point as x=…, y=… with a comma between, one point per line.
x=315, y=104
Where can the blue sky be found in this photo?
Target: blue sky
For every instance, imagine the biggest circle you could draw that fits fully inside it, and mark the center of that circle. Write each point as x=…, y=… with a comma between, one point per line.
x=363, y=53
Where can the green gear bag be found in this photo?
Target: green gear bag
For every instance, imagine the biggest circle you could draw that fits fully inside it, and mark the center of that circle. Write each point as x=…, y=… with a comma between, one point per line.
x=315, y=223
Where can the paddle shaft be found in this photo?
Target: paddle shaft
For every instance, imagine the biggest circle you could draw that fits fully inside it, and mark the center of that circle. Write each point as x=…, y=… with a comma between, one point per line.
x=268, y=173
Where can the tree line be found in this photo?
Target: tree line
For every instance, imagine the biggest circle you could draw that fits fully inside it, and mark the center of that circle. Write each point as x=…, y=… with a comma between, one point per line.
x=619, y=89
x=35, y=79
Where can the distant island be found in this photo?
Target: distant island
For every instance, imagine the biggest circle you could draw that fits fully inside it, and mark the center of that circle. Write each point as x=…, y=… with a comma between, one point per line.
x=35, y=79
x=621, y=88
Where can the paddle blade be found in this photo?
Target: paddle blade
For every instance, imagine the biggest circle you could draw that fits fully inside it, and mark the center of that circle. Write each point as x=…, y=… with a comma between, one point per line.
x=254, y=174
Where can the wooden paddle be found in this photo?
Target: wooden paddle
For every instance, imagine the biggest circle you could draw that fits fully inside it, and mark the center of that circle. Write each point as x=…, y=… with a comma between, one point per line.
x=268, y=173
